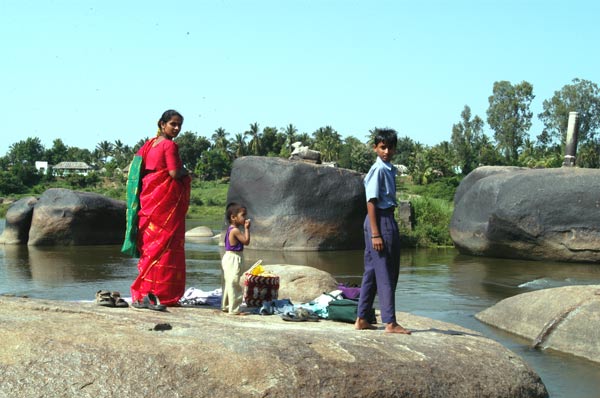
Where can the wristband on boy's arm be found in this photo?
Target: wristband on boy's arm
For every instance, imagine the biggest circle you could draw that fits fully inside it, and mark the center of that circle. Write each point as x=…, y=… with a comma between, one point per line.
x=375, y=236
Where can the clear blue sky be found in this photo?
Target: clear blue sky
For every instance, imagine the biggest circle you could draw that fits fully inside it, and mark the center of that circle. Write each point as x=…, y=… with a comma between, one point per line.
x=88, y=71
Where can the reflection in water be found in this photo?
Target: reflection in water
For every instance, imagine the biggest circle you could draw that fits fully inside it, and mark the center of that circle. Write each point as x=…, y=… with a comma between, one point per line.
x=501, y=278
x=439, y=284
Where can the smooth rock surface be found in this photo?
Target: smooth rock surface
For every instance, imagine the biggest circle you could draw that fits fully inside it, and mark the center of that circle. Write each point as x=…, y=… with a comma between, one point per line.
x=67, y=349
x=536, y=214
x=565, y=319
x=298, y=205
x=18, y=221
x=300, y=283
x=65, y=217
x=199, y=232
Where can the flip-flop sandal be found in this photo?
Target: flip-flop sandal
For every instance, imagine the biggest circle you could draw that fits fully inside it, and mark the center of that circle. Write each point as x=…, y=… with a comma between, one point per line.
x=308, y=315
x=119, y=302
x=140, y=305
x=291, y=317
x=104, y=298
x=300, y=315
x=153, y=303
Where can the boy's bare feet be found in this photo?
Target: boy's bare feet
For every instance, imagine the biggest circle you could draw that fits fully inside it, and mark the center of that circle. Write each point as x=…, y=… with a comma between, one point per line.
x=363, y=324
x=394, y=327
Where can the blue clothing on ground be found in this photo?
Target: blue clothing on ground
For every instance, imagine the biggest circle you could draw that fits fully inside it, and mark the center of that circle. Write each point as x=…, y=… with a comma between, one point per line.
x=380, y=184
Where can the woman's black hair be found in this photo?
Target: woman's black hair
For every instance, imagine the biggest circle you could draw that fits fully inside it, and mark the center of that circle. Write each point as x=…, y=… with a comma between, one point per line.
x=167, y=115
x=386, y=135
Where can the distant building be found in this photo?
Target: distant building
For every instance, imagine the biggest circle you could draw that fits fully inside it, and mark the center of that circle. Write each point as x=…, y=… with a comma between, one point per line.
x=66, y=168
x=41, y=166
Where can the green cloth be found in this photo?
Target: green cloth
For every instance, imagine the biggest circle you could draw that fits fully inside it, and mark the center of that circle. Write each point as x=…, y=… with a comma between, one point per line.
x=134, y=187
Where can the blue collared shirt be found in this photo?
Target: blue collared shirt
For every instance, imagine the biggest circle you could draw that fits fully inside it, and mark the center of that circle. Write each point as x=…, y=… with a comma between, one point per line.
x=380, y=183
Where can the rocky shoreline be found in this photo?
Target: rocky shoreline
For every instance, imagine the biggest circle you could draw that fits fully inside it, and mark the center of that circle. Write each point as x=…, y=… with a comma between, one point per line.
x=75, y=349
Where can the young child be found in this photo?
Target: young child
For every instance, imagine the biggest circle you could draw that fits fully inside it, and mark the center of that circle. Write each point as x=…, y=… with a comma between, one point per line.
x=382, y=239
x=232, y=260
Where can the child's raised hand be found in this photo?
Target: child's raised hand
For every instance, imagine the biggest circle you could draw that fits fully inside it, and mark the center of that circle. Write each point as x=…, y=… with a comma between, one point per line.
x=247, y=224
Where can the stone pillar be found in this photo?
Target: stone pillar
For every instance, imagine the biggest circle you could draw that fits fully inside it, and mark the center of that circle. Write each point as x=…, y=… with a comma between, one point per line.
x=571, y=145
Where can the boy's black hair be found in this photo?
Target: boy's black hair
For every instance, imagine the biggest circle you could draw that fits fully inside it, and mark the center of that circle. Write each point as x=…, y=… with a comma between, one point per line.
x=386, y=135
x=233, y=209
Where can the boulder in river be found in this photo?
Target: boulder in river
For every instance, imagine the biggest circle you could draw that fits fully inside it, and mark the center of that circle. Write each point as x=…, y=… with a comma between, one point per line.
x=65, y=217
x=18, y=221
x=564, y=319
x=299, y=206
x=535, y=214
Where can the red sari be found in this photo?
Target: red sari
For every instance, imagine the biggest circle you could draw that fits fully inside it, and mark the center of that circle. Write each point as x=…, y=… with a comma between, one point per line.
x=164, y=203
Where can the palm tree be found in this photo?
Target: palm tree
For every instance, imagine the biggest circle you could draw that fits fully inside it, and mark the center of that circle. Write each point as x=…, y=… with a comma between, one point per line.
x=255, y=141
x=328, y=142
x=105, y=149
x=290, y=132
x=219, y=139
x=238, y=146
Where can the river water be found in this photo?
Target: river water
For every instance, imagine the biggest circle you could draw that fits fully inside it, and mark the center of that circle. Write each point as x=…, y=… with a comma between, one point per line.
x=440, y=284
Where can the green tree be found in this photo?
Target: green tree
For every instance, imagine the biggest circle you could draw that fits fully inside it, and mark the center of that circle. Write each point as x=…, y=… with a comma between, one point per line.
x=255, y=144
x=466, y=140
x=406, y=149
x=583, y=97
x=328, y=142
x=272, y=141
x=191, y=147
x=75, y=154
x=290, y=132
x=488, y=153
x=104, y=150
x=219, y=139
x=510, y=117
x=238, y=146
x=58, y=153
x=10, y=183
x=122, y=154
x=29, y=151
x=305, y=139
x=356, y=155
x=214, y=164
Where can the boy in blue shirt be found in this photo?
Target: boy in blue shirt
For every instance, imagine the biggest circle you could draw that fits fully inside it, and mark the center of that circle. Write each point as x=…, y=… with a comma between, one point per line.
x=382, y=239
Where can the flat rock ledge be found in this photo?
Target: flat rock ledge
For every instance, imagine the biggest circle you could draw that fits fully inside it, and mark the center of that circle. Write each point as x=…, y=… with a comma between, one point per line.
x=74, y=349
x=563, y=319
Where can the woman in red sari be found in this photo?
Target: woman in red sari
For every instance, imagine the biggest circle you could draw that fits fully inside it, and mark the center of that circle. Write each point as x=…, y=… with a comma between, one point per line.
x=164, y=201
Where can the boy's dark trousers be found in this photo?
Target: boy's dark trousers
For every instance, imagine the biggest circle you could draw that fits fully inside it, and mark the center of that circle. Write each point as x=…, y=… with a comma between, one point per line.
x=381, y=268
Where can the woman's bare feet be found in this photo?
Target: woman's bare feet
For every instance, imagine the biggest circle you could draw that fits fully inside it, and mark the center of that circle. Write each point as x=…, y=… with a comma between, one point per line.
x=394, y=327
x=363, y=324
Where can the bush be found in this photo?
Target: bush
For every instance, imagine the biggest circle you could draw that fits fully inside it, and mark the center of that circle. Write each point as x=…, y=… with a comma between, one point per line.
x=432, y=222
x=444, y=188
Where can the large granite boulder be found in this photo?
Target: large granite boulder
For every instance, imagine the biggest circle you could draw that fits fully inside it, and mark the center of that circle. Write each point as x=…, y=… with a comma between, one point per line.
x=298, y=205
x=18, y=221
x=565, y=319
x=62, y=349
x=301, y=283
x=537, y=214
x=65, y=217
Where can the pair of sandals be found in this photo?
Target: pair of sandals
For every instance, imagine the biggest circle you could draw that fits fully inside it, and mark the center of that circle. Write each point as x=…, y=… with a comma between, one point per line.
x=150, y=302
x=300, y=315
x=106, y=298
